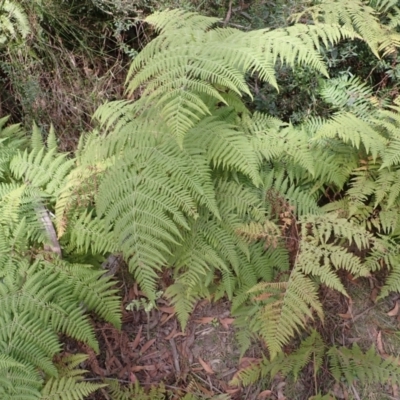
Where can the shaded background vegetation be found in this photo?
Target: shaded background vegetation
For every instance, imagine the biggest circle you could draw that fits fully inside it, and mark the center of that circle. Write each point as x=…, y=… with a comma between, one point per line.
x=77, y=55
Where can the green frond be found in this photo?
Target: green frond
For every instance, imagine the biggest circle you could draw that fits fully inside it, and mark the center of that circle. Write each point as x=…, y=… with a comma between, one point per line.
x=42, y=169
x=13, y=22
x=350, y=129
x=350, y=94
x=52, y=140
x=185, y=65
x=171, y=20
x=68, y=388
x=331, y=227
x=394, y=18
x=382, y=5
x=386, y=252
x=76, y=194
x=280, y=189
x=226, y=147
x=311, y=349
x=87, y=233
x=183, y=298
x=355, y=15
x=286, y=310
x=90, y=287
x=159, y=392
x=36, y=141
x=353, y=364
x=134, y=391
x=18, y=380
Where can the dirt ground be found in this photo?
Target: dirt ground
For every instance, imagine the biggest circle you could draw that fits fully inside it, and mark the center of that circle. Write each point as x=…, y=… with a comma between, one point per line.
x=151, y=348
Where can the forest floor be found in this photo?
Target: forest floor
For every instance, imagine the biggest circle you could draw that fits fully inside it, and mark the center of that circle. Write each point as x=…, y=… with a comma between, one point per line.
x=151, y=348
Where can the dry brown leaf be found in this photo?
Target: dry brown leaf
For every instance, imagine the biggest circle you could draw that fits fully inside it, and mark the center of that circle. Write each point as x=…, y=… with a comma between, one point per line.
x=138, y=368
x=233, y=391
x=153, y=354
x=395, y=310
x=171, y=335
x=147, y=345
x=346, y=316
x=379, y=345
x=280, y=388
x=264, y=394
x=263, y=296
x=132, y=377
x=167, y=310
x=395, y=390
x=206, y=366
x=349, y=312
x=164, y=318
x=374, y=294
x=339, y=391
x=225, y=322
x=247, y=361
x=169, y=316
x=205, y=320
x=136, y=342
x=207, y=392
x=131, y=294
x=179, y=334
x=202, y=303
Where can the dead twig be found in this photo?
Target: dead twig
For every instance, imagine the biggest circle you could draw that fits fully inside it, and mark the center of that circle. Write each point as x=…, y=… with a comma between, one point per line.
x=228, y=14
x=175, y=356
x=204, y=381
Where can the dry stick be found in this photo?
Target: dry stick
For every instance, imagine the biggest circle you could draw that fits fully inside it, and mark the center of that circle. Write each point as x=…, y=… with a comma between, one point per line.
x=356, y=395
x=228, y=14
x=175, y=355
x=44, y=216
x=204, y=381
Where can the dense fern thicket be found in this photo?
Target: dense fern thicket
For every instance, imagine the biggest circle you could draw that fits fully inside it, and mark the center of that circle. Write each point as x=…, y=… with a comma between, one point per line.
x=231, y=202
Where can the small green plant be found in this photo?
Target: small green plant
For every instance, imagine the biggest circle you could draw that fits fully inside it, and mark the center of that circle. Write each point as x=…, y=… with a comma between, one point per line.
x=146, y=305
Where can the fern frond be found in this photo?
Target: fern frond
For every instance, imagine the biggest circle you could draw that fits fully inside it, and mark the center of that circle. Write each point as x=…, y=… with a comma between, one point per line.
x=190, y=63
x=87, y=233
x=354, y=15
x=68, y=388
x=134, y=391
x=43, y=169
x=311, y=349
x=350, y=129
x=286, y=309
x=175, y=19
x=225, y=146
x=353, y=364
x=13, y=22
x=349, y=94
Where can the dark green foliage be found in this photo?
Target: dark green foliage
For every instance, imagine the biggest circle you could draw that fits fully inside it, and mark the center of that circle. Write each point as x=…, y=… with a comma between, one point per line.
x=41, y=296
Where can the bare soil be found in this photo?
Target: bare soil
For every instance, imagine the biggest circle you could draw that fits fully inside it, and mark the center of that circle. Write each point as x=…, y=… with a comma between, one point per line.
x=151, y=348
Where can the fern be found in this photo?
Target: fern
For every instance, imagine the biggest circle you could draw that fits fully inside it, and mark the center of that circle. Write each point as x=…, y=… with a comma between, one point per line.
x=14, y=22
x=40, y=295
x=187, y=65
x=350, y=94
x=134, y=391
x=312, y=349
x=355, y=365
x=69, y=384
x=286, y=305
x=358, y=16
